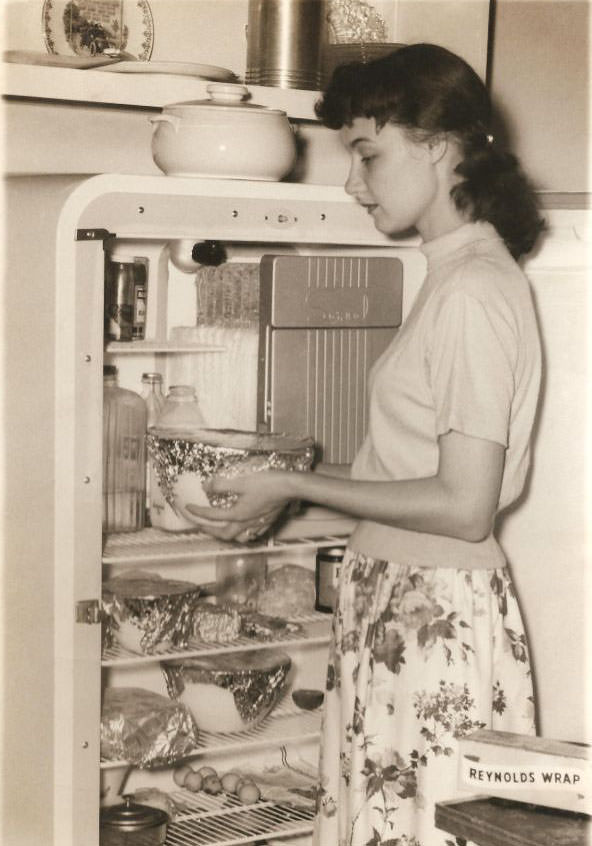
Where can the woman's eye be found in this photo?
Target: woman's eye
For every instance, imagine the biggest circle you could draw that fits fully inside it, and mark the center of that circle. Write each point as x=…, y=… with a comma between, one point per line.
x=366, y=159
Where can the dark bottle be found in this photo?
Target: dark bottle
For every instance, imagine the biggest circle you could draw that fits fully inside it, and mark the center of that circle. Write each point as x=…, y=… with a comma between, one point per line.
x=327, y=577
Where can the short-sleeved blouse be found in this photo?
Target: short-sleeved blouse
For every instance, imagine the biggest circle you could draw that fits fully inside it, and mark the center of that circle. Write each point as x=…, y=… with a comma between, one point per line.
x=467, y=359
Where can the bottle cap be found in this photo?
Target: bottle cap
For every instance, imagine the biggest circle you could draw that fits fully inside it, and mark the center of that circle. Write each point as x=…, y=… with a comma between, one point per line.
x=151, y=377
x=119, y=256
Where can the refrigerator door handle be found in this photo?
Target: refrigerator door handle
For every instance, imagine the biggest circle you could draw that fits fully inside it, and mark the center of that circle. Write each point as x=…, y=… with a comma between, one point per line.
x=267, y=379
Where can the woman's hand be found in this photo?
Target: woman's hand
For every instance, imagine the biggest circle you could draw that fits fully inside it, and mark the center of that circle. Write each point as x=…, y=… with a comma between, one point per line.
x=261, y=499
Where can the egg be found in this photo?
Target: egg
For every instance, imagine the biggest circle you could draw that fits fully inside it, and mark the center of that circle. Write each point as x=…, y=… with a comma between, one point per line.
x=230, y=782
x=193, y=781
x=248, y=793
x=207, y=771
x=181, y=773
x=212, y=785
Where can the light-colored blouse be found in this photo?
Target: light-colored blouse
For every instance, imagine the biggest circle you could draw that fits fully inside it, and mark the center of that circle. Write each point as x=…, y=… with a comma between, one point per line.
x=466, y=359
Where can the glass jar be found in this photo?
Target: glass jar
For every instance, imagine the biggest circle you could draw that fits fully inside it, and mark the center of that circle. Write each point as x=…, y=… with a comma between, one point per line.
x=154, y=398
x=124, y=456
x=181, y=411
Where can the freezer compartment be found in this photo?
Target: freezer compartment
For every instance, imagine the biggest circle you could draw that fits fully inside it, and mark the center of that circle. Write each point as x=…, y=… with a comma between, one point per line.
x=324, y=320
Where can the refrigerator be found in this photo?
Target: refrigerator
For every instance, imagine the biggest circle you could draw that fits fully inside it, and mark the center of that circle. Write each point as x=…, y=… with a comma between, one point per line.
x=56, y=557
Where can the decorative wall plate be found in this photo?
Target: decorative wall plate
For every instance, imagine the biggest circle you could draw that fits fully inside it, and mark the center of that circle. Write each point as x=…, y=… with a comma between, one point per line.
x=88, y=28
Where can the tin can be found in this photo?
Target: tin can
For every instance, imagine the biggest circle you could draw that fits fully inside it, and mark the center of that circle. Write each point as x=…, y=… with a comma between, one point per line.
x=119, y=300
x=327, y=571
x=139, y=320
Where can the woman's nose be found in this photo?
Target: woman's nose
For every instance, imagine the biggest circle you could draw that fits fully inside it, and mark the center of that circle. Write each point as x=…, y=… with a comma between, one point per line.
x=353, y=183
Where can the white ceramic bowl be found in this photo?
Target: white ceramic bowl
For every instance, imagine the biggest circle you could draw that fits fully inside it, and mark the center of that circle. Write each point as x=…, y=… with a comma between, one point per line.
x=223, y=137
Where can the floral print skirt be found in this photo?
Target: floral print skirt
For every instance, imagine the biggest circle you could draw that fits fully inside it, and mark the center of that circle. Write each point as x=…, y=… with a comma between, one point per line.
x=419, y=657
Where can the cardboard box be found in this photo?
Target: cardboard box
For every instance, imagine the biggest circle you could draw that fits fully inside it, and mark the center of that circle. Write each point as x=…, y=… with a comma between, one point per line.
x=527, y=769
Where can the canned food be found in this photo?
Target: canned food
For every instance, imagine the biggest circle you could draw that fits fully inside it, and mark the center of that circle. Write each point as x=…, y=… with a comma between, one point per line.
x=328, y=567
x=120, y=301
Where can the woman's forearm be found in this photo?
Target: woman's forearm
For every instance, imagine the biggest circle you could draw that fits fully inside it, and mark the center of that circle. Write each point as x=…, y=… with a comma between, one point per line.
x=460, y=500
x=420, y=505
x=336, y=471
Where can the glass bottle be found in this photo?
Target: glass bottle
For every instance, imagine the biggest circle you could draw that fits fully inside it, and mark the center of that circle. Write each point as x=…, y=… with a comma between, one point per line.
x=181, y=409
x=154, y=399
x=153, y=396
x=181, y=412
x=124, y=461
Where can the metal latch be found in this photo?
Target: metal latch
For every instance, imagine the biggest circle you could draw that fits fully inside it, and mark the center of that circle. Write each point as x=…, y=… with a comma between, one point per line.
x=88, y=611
x=92, y=234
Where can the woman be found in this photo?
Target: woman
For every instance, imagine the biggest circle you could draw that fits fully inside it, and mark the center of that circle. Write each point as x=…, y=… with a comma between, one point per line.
x=428, y=644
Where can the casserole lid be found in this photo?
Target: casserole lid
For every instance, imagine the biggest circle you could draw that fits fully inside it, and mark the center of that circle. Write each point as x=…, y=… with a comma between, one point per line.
x=223, y=96
x=132, y=816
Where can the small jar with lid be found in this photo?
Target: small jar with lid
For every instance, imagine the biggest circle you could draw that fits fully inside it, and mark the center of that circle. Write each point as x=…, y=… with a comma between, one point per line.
x=328, y=568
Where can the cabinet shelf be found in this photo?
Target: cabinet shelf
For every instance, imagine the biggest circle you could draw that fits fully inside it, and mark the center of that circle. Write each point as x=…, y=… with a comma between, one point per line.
x=287, y=724
x=165, y=347
x=157, y=547
x=315, y=629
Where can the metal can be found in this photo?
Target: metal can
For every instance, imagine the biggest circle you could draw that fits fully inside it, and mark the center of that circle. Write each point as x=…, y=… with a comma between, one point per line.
x=120, y=300
x=139, y=320
x=327, y=571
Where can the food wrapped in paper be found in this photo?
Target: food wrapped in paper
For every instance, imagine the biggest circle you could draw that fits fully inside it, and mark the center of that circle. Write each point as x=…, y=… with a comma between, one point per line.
x=145, y=728
x=229, y=692
x=144, y=611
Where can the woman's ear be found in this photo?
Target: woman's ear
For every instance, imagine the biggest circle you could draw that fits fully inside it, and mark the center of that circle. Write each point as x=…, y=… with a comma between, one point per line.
x=437, y=147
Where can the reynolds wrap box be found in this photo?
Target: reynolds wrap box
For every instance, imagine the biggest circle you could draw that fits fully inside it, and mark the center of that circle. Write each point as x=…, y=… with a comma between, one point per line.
x=535, y=770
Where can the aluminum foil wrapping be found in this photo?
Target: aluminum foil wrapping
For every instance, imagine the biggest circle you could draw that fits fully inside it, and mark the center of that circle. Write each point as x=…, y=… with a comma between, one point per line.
x=256, y=687
x=161, y=609
x=144, y=728
x=172, y=456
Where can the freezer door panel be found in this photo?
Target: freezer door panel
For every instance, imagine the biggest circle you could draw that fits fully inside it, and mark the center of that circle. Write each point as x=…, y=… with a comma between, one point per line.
x=325, y=291
x=319, y=384
x=324, y=320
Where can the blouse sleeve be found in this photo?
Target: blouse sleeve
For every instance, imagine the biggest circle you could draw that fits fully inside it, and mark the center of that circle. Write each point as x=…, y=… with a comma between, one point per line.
x=471, y=368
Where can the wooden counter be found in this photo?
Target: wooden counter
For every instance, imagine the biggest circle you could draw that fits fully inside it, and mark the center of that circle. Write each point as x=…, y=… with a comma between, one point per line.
x=496, y=822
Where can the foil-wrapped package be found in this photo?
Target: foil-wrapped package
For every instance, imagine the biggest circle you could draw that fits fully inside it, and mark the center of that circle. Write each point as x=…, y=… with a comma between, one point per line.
x=144, y=611
x=204, y=453
x=144, y=728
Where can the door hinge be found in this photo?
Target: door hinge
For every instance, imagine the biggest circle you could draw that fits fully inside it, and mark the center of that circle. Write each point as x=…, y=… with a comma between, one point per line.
x=88, y=611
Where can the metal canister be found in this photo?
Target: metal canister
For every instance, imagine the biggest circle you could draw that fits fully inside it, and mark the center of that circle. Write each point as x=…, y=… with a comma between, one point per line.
x=120, y=299
x=139, y=318
x=327, y=571
x=284, y=41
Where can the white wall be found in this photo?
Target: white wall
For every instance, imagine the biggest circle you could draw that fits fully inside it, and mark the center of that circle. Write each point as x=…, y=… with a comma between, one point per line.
x=546, y=537
x=540, y=77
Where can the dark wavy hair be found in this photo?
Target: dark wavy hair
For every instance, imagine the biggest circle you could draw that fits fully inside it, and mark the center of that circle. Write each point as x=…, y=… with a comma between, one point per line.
x=428, y=90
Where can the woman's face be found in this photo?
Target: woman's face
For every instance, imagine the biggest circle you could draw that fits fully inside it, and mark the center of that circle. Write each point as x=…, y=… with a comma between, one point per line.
x=391, y=175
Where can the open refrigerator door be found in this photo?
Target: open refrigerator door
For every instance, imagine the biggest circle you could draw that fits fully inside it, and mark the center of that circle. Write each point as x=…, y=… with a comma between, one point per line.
x=233, y=673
